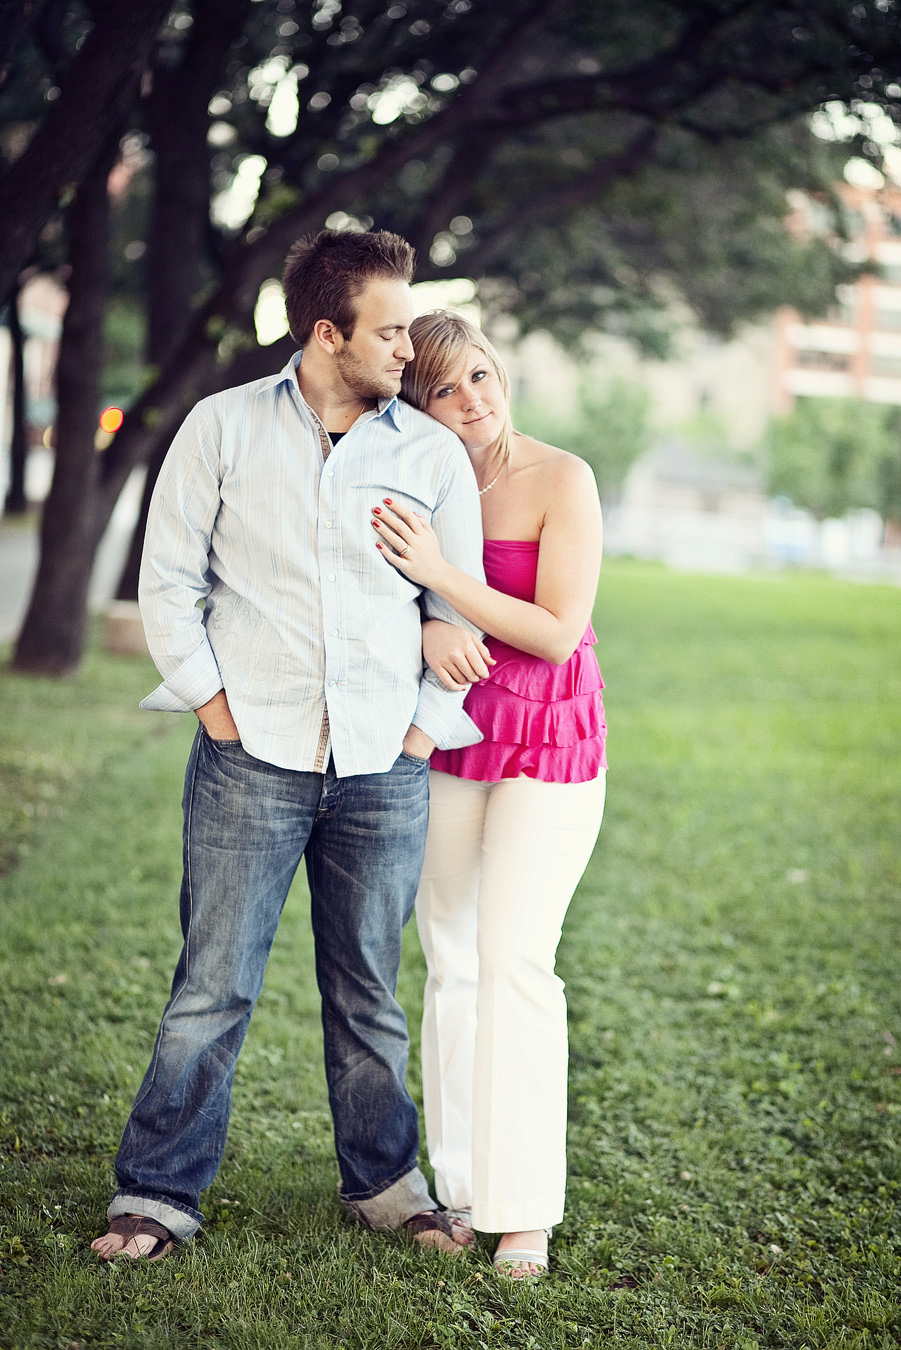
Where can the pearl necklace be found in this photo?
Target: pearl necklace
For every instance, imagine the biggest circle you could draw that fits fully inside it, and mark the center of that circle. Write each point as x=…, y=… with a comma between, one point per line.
x=490, y=485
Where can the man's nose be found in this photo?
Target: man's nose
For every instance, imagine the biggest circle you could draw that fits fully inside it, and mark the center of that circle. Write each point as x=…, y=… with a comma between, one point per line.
x=404, y=349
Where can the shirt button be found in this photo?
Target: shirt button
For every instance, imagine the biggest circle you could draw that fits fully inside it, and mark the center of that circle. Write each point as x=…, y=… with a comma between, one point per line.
x=331, y=577
x=328, y=524
x=334, y=632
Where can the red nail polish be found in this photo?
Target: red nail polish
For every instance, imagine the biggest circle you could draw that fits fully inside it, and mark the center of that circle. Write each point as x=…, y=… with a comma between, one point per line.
x=387, y=501
x=376, y=510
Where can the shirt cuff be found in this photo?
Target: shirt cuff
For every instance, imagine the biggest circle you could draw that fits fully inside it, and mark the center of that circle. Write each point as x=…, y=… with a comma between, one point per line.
x=194, y=683
x=440, y=714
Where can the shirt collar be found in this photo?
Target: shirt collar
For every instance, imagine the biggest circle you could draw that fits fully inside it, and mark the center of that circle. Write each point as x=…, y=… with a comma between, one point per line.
x=389, y=406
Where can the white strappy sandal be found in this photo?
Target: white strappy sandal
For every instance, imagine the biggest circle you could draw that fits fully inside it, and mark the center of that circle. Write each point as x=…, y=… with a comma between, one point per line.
x=510, y=1261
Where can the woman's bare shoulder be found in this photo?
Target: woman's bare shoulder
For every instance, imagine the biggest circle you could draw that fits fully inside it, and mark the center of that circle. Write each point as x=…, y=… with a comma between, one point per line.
x=558, y=467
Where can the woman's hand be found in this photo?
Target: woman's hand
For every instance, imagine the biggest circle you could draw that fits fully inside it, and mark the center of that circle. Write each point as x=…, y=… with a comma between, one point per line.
x=412, y=545
x=457, y=657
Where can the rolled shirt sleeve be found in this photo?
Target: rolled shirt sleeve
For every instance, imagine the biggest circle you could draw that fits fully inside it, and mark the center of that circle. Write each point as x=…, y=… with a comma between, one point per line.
x=444, y=719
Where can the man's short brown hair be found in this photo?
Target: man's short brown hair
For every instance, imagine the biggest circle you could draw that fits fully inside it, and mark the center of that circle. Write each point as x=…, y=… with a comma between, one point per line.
x=324, y=274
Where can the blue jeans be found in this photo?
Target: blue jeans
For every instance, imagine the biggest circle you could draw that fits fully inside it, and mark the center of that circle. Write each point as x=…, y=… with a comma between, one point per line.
x=246, y=826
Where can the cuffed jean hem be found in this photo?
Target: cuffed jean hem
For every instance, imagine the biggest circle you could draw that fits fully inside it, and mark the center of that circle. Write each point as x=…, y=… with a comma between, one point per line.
x=394, y=1205
x=182, y=1222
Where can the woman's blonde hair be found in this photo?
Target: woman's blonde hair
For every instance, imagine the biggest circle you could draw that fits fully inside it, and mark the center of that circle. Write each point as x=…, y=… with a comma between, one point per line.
x=440, y=340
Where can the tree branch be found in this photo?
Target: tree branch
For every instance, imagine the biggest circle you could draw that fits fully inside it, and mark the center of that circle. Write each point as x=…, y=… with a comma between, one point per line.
x=544, y=206
x=472, y=154
x=16, y=17
x=96, y=91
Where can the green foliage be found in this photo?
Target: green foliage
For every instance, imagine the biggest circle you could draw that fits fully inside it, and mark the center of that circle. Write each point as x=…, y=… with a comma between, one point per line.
x=608, y=425
x=662, y=136
x=735, y=1022
x=698, y=223
x=125, y=344
x=889, y=471
x=833, y=455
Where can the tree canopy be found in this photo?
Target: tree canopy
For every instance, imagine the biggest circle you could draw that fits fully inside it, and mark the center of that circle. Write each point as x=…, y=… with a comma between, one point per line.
x=609, y=426
x=587, y=165
x=830, y=456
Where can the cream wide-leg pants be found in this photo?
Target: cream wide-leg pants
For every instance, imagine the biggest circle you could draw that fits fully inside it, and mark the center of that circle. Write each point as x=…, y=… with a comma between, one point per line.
x=502, y=862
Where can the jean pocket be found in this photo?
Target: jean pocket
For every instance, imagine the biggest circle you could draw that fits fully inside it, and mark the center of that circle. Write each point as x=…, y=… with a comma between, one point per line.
x=234, y=743
x=412, y=759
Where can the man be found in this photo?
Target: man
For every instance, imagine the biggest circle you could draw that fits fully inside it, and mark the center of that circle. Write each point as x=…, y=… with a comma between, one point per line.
x=304, y=668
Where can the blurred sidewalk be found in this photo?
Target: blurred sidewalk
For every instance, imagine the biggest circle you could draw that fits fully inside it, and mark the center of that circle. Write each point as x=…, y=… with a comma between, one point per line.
x=18, y=561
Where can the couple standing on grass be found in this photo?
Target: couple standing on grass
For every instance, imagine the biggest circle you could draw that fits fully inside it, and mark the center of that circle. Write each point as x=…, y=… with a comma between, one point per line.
x=334, y=534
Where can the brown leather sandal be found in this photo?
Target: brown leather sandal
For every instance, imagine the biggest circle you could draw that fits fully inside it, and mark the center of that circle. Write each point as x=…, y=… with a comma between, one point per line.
x=129, y=1226
x=461, y=1226
x=433, y=1221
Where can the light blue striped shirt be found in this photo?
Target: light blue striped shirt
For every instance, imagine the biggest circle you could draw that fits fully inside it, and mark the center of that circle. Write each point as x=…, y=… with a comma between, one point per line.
x=302, y=616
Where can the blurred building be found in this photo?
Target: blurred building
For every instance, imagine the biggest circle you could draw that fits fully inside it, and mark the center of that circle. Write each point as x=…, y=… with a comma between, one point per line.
x=692, y=503
x=729, y=383
x=855, y=350
x=702, y=514
x=691, y=511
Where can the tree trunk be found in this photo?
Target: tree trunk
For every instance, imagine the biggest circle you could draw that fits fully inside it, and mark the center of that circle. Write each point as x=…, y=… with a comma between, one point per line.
x=16, y=501
x=178, y=242
x=52, y=636
x=127, y=587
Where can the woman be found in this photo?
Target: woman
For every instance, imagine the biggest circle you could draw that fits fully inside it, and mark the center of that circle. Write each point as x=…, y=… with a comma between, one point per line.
x=514, y=819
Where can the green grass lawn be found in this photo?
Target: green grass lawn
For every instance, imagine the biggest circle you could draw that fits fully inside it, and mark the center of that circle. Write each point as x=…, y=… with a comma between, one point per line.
x=732, y=963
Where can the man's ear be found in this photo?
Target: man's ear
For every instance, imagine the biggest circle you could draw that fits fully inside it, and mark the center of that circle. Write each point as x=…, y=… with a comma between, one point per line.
x=328, y=336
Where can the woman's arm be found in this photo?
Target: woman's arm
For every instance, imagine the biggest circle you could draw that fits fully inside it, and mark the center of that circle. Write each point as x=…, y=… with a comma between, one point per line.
x=569, y=562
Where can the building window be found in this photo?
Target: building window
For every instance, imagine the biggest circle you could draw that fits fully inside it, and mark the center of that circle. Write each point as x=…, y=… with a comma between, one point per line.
x=843, y=313
x=845, y=309
x=886, y=365
x=811, y=360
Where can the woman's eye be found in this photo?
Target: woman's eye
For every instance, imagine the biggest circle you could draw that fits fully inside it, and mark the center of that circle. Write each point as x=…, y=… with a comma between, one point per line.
x=478, y=375
x=443, y=393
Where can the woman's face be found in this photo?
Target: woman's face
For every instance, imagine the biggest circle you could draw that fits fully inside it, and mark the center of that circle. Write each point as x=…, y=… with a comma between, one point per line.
x=470, y=401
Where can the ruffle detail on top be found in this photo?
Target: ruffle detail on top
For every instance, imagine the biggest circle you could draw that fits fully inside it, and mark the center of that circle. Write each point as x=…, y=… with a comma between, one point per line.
x=538, y=680
x=519, y=721
x=547, y=763
x=544, y=721
x=540, y=720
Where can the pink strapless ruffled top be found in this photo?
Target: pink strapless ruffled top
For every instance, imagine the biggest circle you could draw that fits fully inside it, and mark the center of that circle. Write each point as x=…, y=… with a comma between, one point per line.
x=544, y=721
